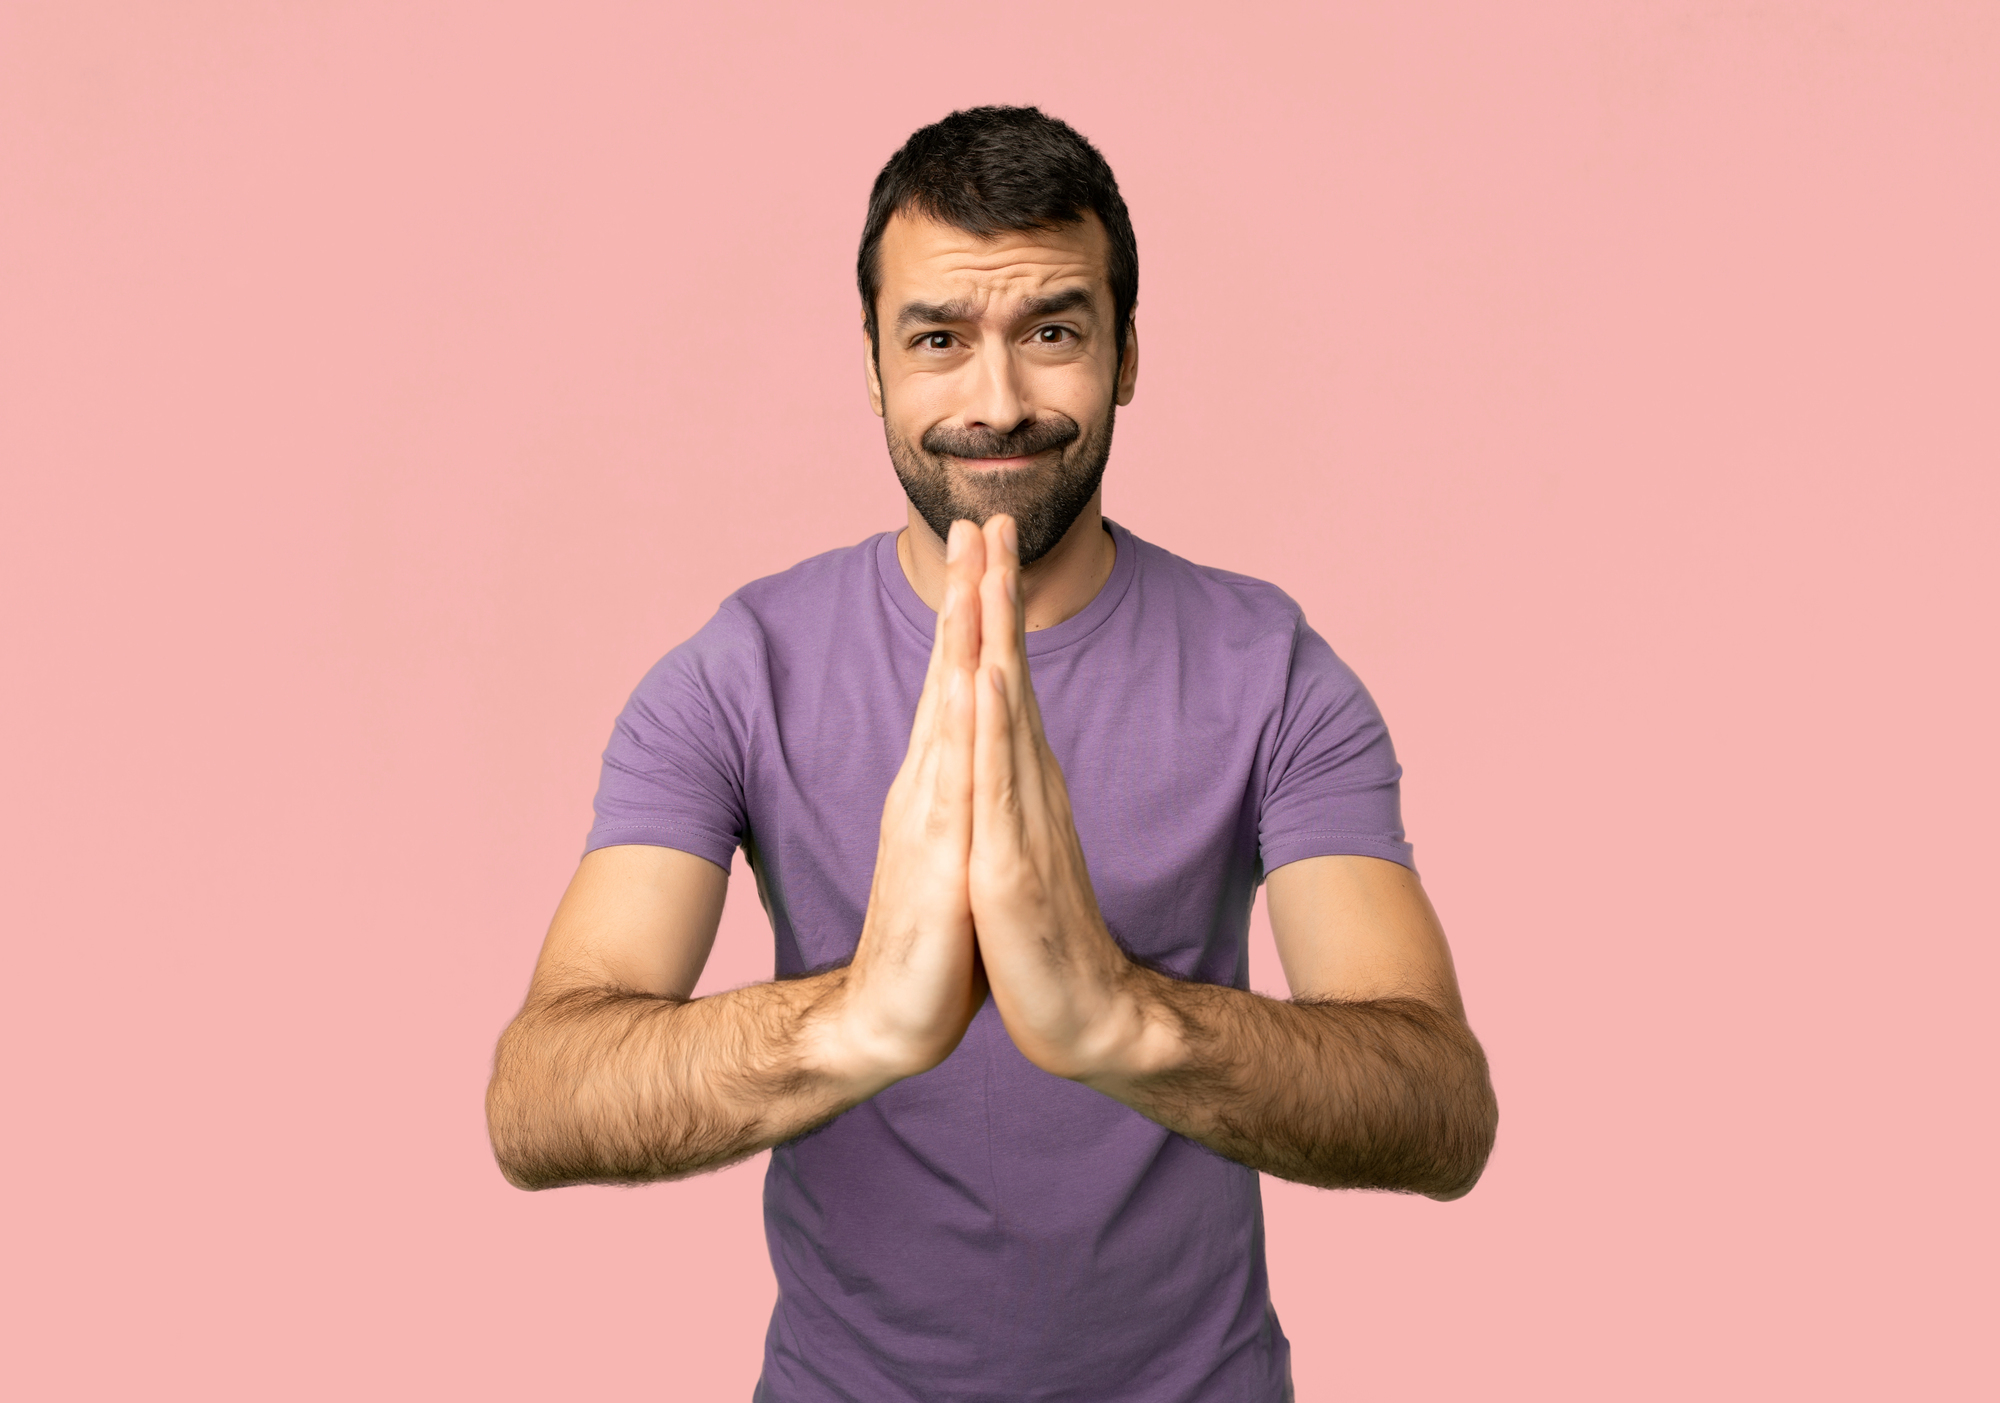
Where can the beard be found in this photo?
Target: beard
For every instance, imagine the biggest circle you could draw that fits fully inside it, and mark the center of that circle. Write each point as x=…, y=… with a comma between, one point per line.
x=1045, y=498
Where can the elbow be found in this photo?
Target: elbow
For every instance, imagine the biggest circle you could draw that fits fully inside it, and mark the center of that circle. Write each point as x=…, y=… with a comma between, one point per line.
x=519, y=1151
x=538, y=1147
x=513, y=1150
x=528, y=1177
x=1459, y=1184
x=525, y=1163
x=519, y=1165
x=521, y=1176
x=1468, y=1140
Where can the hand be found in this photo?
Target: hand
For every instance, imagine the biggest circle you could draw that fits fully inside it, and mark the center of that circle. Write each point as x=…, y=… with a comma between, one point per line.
x=1066, y=992
x=915, y=980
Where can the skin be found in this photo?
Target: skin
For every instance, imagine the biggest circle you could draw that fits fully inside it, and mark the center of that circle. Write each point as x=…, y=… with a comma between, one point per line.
x=994, y=363
x=1368, y=1077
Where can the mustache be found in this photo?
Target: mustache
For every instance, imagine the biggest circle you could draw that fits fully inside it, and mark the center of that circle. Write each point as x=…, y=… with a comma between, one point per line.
x=1023, y=441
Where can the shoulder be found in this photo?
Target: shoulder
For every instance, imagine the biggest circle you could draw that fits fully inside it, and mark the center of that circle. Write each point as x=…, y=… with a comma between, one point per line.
x=812, y=588
x=1221, y=604
x=799, y=601
x=1260, y=630
x=766, y=616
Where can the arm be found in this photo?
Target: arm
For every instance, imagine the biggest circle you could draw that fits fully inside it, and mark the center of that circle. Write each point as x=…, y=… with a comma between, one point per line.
x=1368, y=1079
x=614, y=1073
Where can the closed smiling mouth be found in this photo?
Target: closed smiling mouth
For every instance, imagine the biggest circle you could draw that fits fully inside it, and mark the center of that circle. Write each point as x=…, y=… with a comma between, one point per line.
x=990, y=465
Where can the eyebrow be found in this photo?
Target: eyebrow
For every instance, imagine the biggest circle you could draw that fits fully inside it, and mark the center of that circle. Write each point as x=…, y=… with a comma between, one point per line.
x=933, y=313
x=962, y=310
x=1068, y=300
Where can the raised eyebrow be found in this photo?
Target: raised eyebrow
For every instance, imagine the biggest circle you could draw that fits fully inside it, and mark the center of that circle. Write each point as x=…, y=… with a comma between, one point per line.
x=934, y=314
x=952, y=313
x=1068, y=300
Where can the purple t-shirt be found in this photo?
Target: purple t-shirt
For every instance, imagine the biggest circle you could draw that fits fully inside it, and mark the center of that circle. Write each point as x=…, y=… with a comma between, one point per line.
x=987, y=1231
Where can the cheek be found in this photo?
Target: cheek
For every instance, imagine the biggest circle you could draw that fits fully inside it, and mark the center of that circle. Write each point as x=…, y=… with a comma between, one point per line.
x=1081, y=388
x=914, y=402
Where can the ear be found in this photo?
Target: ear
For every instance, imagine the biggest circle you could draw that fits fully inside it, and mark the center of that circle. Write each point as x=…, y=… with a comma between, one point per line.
x=871, y=369
x=1128, y=366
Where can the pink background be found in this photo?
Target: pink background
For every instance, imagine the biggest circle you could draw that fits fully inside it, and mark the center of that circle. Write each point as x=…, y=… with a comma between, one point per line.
x=384, y=386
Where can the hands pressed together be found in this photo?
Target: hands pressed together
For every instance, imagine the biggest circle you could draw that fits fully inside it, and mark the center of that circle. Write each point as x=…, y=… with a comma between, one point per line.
x=616, y=1076
x=980, y=879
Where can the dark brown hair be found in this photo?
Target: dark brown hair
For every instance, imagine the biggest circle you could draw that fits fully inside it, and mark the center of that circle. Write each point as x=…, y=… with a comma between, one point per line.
x=991, y=170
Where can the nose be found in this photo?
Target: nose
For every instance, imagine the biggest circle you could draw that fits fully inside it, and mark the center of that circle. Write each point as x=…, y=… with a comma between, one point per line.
x=997, y=402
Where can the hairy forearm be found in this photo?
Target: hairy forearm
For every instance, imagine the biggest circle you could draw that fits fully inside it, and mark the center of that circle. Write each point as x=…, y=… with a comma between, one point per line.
x=1376, y=1094
x=609, y=1086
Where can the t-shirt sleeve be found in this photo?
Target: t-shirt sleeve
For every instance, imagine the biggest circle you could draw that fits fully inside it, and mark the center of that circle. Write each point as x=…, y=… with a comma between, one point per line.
x=1334, y=785
x=673, y=772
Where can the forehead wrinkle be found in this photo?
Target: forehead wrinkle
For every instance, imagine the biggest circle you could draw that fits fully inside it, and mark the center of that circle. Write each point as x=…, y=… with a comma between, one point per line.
x=966, y=255
x=939, y=274
x=1018, y=293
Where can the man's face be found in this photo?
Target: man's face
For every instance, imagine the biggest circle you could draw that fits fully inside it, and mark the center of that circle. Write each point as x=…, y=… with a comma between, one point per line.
x=997, y=373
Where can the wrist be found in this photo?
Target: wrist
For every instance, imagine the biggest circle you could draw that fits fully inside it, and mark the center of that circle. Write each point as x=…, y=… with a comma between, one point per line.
x=855, y=1048
x=1137, y=1035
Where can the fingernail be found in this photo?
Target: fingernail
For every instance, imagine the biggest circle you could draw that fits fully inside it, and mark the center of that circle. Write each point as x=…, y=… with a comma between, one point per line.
x=954, y=542
x=1009, y=536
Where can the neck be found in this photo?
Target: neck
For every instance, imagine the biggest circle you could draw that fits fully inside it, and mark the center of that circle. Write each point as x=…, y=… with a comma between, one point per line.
x=1054, y=588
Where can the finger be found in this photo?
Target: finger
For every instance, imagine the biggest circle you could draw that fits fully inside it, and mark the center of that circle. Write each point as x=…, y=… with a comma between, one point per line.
x=996, y=812
x=1009, y=534
x=945, y=632
x=965, y=562
x=1028, y=707
x=1001, y=638
x=1004, y=648
x=951, y=794
x=1004, y=617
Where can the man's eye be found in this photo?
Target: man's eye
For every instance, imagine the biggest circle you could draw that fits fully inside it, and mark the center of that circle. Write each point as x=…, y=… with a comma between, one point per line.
x=937, y=341
x=1052, y=335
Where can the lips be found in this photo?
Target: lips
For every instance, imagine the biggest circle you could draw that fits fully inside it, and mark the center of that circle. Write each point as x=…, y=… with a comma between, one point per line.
x=991, y=452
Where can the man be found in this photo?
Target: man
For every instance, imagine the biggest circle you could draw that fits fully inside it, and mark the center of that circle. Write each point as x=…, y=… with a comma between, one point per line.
x=1014, y=1087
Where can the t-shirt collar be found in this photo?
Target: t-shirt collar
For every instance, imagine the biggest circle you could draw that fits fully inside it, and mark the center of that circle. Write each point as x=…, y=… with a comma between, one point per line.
x=1072, y=630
